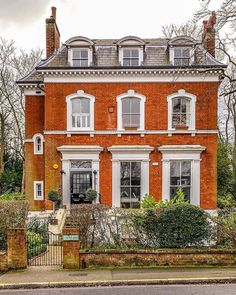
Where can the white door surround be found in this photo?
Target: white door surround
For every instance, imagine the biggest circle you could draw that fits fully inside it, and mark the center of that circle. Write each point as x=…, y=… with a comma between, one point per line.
x=129, y=153
x=76, y=152
x=182, y=152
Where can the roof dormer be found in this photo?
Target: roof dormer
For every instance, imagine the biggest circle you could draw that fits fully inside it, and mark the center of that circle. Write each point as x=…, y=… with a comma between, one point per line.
x=80, y=52
x=182, y=51
x=131, y=51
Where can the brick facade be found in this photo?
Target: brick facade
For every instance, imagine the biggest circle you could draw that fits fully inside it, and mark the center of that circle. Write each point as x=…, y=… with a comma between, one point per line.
x=52, y=116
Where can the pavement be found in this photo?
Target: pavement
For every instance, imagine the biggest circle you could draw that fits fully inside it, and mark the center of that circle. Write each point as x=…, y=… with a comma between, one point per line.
x=51, y=277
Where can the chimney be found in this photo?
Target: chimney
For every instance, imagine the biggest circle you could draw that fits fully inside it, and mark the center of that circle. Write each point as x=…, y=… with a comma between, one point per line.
x=208, y=36
x=52, y=34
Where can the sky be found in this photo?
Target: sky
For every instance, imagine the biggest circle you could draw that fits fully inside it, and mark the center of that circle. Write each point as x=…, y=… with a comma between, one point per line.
x=24, y=20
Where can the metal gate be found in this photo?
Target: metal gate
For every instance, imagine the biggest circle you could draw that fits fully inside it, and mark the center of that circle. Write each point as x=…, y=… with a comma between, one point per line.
x=44, y=248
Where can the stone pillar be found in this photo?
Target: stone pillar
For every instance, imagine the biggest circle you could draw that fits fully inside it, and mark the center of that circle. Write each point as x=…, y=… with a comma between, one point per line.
x=71, y=248
x=16, y=248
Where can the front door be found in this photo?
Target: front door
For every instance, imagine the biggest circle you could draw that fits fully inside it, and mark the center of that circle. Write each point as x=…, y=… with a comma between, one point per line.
x=80, y=182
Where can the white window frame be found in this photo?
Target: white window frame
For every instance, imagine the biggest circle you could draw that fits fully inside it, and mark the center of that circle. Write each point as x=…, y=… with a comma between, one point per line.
x=70, y=54
x=121, y=54
x=36, y=151
x=182, y=153
x=128, y=154
x=191, y=54
x=69, y=98
x=36, y=197
x=192, y=98
x=131, y=93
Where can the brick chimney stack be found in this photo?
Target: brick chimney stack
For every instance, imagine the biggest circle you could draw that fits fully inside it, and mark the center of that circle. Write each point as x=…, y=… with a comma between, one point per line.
x=208, y=36
x=52, y=34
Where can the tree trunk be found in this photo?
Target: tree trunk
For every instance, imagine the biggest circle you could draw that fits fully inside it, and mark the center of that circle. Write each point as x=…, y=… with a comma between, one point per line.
x=2, y=143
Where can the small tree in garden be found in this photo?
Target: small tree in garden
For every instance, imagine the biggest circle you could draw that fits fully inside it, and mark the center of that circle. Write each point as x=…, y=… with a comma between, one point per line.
x=53, y=196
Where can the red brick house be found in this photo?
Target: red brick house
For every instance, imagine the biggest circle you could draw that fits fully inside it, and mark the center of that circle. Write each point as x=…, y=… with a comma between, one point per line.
x=126, y=117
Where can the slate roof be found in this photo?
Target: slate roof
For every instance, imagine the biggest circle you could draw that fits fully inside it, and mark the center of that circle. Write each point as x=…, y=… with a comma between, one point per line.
x=105, y=55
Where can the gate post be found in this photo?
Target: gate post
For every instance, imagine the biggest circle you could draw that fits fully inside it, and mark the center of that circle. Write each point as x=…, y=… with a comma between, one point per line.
x=16, y=248
x=71, y=248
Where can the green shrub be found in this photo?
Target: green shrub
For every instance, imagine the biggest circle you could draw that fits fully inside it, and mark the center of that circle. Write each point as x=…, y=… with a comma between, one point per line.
x=176, y=226
x=9, y=196
x=90, y=195
x=36, y=244
x=53, y=195
x=226, y=201
x=149, y=201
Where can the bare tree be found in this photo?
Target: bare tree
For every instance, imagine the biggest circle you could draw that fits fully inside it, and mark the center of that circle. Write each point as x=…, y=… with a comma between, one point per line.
x=14, y=64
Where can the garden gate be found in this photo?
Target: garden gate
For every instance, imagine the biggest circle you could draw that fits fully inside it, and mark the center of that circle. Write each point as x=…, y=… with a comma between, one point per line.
x=44, y=248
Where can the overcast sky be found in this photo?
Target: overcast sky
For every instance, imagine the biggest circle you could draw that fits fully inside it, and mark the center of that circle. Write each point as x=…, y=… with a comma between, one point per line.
x=24, y=20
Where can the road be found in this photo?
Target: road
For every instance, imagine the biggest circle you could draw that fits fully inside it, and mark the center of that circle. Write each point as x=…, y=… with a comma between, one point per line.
x=216, y=289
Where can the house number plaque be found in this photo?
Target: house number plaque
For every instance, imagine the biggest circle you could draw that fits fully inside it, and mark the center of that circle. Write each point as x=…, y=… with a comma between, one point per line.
x=70, y=237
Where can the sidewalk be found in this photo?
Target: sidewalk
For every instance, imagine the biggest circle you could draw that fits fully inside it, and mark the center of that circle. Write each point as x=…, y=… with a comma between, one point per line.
x=44, y=277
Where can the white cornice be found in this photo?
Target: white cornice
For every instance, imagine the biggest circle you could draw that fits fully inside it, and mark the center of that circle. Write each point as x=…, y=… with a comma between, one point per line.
x=182, y=148
x=79, y=148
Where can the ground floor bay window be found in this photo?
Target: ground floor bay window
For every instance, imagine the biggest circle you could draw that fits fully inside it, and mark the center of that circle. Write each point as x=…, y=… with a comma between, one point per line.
x=130, y=175
x=181, y=168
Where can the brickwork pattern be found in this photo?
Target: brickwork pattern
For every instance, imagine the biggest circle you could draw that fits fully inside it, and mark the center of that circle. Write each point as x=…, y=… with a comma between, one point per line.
x=71, y=250
x=16, y=248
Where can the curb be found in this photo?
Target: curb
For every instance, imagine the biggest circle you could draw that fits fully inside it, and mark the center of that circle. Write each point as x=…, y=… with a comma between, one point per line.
x=70, y=284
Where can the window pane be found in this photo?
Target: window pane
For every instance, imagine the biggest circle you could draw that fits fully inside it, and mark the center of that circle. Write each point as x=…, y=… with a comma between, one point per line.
x=84, y=54
x=135, y=105
x=127, y=53
x=177, y=52
x=186, y=52
x=76, y=106
x=126, y=62
x=186, y=173
x=83, y=63
x=81, y=164
x=187, y=193
x=125, y=173
x=76, y=53
x=135, y=120
x=73, y=121
x=176, y=105
x=175, y=172
x=173, y=191
x=134, y=62
x=135, y=173
x=126, y=119
x=135, y=53
x=126, y=105
x=85, y=108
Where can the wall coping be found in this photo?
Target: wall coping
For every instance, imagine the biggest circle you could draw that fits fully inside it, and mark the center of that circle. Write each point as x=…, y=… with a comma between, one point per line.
x=159, y=251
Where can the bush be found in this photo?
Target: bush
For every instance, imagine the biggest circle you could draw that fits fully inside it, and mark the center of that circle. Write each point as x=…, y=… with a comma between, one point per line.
x=53, y=195
x=177, y=226
x=149, y=202
x=13, y=214
x=90, y=195
x=226, y=201
x=9, y=196
x=36, y=245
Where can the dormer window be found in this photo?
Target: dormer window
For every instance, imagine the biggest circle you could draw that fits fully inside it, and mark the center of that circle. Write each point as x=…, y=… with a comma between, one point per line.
x=80, y=57
x=181, y=56
x=131, y=57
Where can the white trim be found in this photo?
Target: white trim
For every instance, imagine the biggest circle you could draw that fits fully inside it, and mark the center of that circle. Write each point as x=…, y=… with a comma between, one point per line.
x=33, y=92
x=182, y=152
x=76, y=152
x=130, y=94
x=176, y=77
x=36, y=197
x=129, y=153
x=182, y=93
x=191, y=53
x=115, y=132
x=36, y=152
x=80, y=94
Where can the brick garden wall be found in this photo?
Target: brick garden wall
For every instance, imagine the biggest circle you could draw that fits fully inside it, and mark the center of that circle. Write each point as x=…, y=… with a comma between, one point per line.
x=175, y=257
x=3, y=261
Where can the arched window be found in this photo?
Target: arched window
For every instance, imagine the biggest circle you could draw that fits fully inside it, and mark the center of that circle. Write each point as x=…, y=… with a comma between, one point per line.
x=38, y=144
x=181, y=110
x=80, y=111
x=130, y=111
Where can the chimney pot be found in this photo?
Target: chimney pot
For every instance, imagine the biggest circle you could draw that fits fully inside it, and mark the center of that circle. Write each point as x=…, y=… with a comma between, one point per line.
x=54, y=12
x=208, y=35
